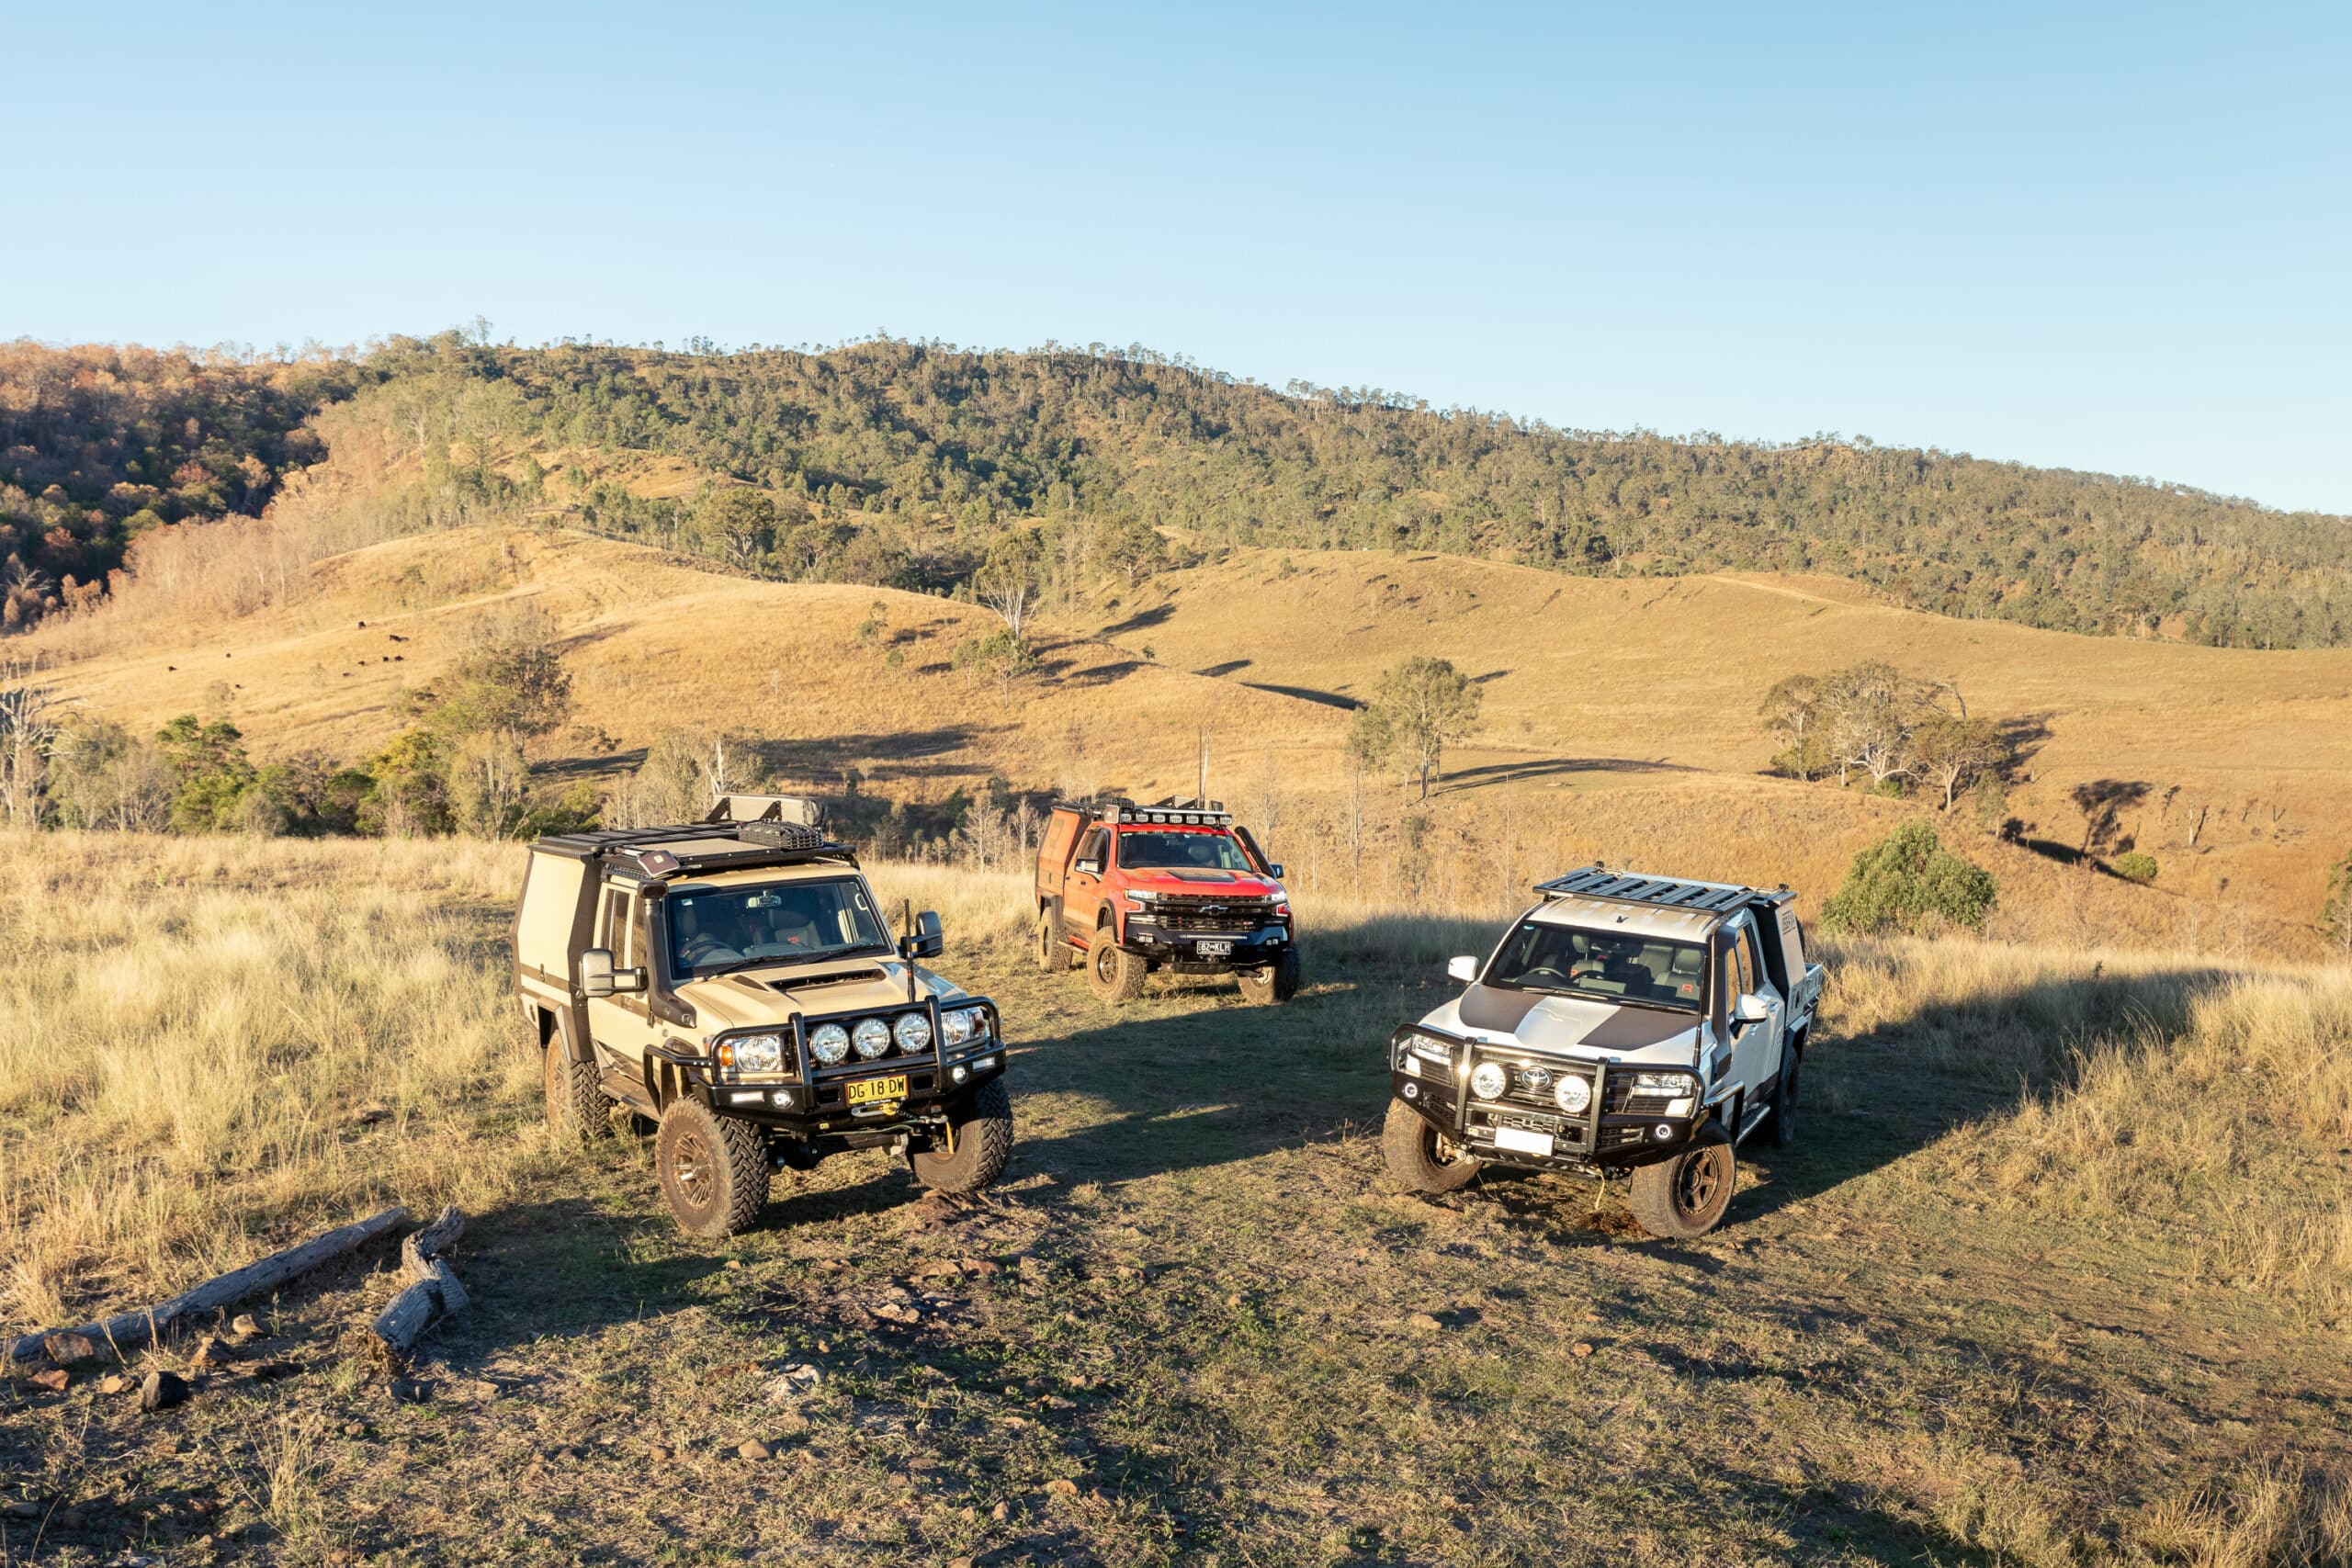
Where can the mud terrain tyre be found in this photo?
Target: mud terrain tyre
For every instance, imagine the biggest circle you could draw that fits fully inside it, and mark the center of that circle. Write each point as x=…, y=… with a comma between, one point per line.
x=983, y=1123
x=1684, y=1197
x=1052, y=953
x=1780, y=1127
x=1277, y=982
x=714, y=1171
x=1416, y=1157
x=1115, y=974
x=577, y=1108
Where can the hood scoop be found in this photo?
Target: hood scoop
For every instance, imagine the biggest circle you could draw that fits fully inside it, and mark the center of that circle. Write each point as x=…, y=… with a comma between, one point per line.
x=1197, y=874
x=787, y=984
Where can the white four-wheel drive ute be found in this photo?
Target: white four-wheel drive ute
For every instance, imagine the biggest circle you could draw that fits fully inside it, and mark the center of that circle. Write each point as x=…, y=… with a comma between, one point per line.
x=1626, y=1026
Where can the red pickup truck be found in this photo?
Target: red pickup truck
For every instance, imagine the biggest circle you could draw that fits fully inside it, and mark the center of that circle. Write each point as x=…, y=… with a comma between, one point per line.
x=1177, y=886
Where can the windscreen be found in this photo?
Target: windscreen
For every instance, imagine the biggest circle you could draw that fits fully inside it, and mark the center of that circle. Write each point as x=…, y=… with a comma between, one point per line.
x=1152, y=850
x=1605, y=966
x=720, y=928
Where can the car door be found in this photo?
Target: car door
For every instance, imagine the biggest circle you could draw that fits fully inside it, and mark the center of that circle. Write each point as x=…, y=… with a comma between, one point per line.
x=619, y=1024
x=1756, y=1045
x=1082, y=890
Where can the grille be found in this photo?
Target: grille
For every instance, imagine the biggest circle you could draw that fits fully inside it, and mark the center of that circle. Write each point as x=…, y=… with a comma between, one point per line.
x=1535, y=1093
x=1188, y=912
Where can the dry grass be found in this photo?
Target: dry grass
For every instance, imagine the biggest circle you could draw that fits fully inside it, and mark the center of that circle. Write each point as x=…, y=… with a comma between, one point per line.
x=1880, y=1358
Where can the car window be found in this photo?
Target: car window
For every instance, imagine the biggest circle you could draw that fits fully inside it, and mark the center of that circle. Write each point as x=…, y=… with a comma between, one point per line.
x=620, y=940
x=1757, y=975
x=1096, y=845
x=713, y=927
x=1604, y=966
x=1181, y=852
x=1743, y=967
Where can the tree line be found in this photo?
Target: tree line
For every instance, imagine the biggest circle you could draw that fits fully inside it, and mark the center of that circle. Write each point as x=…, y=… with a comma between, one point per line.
x=904, y=463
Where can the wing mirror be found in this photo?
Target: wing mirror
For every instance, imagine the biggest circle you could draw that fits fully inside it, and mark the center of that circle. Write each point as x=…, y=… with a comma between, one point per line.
x=926, y=940
x=1465, y=969
x=1751, y=1008
x=1088, y=868
x=1276, y=870
x=599, y=978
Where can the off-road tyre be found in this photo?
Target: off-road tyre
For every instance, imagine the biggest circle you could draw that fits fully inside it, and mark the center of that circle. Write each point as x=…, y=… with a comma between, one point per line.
x=1051, y=951
x=1115, y=974
x=1410, y=1147
x=577, y=1108
x=714, y=1171
x=1277, y=982
x=983, y=1122
x=1781, y=1126
x=1684, y=1197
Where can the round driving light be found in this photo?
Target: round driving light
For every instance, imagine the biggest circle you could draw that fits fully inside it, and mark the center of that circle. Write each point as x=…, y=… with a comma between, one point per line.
x=957, y=1072
x=1572, y=1094
x=829, y=1041
x=784, y=1098
x=913, y=1032
x=1487, y=1082
x=871, y=1038
x=1662, y=1131
x=1412, y=1092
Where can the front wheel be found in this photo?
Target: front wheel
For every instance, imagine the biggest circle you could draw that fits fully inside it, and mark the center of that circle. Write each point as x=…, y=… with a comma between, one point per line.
x=1685, y=1197
x=1115, y=974
x=980, y=1142
x=714, y=1171
x=1420, y=1159
x=1277, y=982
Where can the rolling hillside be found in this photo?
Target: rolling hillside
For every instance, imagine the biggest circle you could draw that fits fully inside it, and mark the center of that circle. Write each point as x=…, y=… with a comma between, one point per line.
x=1619, y=721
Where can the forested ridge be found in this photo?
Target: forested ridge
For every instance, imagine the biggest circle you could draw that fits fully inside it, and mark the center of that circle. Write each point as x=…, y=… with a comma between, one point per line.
x=902, y=461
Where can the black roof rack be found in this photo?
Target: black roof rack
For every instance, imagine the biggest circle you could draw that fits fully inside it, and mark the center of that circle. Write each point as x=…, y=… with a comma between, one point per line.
x=1656, y=892
x=1182, y=810
x=723, y=845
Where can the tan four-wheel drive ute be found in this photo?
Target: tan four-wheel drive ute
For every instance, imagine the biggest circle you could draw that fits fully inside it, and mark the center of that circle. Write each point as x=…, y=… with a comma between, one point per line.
x=736, y=981
x=1628, y=1026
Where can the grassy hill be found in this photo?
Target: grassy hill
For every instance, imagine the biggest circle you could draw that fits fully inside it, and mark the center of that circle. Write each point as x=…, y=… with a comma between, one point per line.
x=1619, y=719
x=901, y=462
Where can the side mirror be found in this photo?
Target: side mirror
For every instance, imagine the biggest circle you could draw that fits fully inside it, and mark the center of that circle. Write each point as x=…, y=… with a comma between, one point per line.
x=1276, y=868
x=1751, y=1008
x=1465, y=969
x=596, y=972
x=1088, y=868
x=926, y=940
x=629, y=979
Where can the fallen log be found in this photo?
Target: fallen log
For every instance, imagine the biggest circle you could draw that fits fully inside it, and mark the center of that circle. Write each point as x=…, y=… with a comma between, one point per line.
x=125, y=1331
x=432, y=1291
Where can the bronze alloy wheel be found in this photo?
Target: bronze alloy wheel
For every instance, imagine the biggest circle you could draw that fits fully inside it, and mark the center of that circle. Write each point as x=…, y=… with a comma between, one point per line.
x=690, y=1167
x=1695, y=1185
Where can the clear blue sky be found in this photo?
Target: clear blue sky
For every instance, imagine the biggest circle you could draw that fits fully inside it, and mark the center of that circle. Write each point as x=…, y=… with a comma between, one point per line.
x=2114, y=237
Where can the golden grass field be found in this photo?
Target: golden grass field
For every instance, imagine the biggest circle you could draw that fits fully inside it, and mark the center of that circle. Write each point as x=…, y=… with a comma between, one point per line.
x=2056, y=1275
x=1619, y=718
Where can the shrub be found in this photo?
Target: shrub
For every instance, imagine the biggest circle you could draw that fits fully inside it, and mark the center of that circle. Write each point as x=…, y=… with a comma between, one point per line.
x=1910, y=882
x=2136, y=866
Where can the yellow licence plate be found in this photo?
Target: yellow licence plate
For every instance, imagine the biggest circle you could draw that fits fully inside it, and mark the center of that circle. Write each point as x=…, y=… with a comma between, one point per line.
x=870, y=1091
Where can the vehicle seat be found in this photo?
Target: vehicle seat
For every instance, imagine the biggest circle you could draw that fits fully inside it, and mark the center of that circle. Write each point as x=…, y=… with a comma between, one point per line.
x=1683, y=979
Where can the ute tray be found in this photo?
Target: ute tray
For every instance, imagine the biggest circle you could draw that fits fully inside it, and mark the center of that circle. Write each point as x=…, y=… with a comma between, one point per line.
x=1656, y=892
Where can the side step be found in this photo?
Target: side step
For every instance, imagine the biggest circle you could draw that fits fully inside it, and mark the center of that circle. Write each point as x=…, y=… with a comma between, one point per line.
x=620, y=1084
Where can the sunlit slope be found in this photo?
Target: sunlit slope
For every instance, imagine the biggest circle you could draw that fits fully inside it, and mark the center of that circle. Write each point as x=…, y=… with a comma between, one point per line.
x=1587, y=678
x=653, y=646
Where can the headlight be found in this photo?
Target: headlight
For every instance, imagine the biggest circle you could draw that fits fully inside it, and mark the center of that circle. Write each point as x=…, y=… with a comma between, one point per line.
x=912, y=1032
x=1665, y=1083
x=1487, y=1082
x=829, y=1041
x=1428, y=1050
x=962, y=1025
x=1572, y=1094
x=871, y=1038
x=753, y=1054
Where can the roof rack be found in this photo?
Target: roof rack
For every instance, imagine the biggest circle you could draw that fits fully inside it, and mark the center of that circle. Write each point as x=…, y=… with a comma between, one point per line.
x=1181, y=811
x=1597, y=881
x=743, y=834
